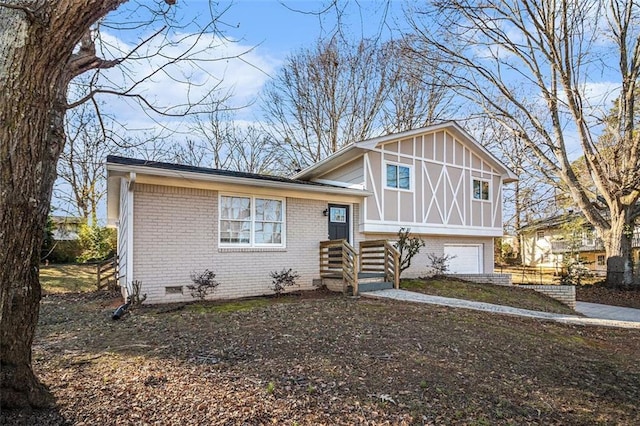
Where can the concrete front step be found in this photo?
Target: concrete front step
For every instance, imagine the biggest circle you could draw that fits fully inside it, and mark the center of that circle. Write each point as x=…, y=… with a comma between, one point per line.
x=374, y=286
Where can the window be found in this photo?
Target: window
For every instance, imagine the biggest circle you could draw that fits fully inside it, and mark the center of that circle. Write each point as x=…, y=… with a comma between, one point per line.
x=588, y=238
x=480, y=189
x=338, y=214
x=251, y=221
x=540, y=235
x=398, y=176
x=600, y=260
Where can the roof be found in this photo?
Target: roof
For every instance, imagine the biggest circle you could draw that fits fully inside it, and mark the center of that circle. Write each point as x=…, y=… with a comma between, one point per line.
x=552, y=221
x=114, y=159
x=183, y=175
x=356, y=149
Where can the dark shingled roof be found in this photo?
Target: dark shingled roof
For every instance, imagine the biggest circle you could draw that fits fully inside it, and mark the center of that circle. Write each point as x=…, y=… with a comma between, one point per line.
x=552, y=222
x=114, y=159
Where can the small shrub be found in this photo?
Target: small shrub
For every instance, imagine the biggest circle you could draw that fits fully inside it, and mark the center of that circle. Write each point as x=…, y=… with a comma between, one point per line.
x=203, y=284
x=135, y=299
x=575, y=271
x=439, y=264
x=271, y=387
x=282, y=280
x=408, y=246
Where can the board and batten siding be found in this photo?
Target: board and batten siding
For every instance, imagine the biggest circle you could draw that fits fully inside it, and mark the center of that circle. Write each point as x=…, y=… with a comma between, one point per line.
x=124, y=237
x=176, y=233
x=440, y=201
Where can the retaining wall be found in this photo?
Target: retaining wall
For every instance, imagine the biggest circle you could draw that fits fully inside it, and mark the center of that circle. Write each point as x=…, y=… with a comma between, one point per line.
x=564, y=293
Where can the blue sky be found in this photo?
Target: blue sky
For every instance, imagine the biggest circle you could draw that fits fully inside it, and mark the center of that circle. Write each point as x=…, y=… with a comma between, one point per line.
x=263, y=32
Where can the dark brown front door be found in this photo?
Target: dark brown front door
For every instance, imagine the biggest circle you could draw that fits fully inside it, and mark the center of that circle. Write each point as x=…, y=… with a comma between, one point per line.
x=338, y=222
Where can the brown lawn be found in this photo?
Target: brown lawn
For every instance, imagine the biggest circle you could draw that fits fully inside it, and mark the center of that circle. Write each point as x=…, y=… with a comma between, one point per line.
x=326, y=359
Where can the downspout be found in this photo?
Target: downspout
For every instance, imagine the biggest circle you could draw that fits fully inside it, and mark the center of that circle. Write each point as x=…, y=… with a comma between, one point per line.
x=129, y=285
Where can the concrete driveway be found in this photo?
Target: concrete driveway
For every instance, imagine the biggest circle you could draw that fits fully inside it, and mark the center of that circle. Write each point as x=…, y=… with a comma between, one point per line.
x=595, y=310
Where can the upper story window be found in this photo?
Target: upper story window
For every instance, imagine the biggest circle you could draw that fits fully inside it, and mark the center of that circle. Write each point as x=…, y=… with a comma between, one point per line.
x=588, y=238
x=480, y=189
x=398, y=176
x=540, y=235
x=251, y=221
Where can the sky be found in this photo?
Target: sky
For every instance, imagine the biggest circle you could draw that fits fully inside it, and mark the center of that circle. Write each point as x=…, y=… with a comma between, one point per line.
x=262, y=32
x=258, y=37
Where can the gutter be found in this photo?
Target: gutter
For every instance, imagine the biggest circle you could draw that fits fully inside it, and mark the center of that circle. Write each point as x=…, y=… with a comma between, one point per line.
x=323, y=189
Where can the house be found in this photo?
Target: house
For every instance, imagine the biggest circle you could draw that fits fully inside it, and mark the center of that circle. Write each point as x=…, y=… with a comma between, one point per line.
x=173, y=219
x=546, y=243
x=66, y=228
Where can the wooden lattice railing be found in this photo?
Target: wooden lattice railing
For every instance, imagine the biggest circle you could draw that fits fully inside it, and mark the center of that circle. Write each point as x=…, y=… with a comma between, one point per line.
x=338, y=258
x=380, y=257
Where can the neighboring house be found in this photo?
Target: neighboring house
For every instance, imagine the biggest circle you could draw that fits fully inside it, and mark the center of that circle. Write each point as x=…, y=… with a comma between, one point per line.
x=174, y=219
x=546, y=243
x=66, y=228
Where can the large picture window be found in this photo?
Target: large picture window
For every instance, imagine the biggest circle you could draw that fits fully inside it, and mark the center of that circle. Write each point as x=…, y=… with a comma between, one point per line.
x=251, y=221
x=398, y=177
x=480, y=189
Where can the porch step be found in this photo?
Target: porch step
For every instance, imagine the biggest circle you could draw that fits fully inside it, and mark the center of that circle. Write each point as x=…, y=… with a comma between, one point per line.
x=374, y=286
x=366, y=275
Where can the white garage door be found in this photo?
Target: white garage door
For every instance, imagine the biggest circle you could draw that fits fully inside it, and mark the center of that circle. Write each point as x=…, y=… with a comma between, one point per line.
x=467, y=260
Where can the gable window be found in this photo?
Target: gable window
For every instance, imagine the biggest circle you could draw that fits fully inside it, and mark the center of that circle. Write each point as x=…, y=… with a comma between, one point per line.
x=480, y=189
x=398, y=177
x=540, y=235
x=251, y=221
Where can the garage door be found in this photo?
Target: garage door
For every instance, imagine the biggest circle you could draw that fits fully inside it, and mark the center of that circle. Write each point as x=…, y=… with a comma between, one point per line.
x=467, y=260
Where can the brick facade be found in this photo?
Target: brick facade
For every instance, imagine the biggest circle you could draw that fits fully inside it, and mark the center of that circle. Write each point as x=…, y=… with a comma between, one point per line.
x=176, y=233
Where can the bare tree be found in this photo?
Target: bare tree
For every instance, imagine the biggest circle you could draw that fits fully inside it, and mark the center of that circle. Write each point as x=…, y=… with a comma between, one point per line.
x=417, y=94
x=505, y=54
x=81, y=184
x=340, y=92
x=325, y=97
x=224, y=143
x=44, y=45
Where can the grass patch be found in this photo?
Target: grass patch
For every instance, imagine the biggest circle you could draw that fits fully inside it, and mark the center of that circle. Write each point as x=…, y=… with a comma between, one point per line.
x=67, y=278
x=488, y=293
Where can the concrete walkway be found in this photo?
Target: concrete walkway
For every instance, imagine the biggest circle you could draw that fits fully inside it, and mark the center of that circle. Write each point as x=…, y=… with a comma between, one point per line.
x=596, y=310
x=410, y=296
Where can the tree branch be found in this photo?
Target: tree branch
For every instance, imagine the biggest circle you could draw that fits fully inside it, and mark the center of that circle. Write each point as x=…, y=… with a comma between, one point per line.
x=32, y=14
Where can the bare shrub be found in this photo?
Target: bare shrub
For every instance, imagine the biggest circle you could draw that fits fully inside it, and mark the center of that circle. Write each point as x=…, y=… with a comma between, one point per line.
x=203, y=284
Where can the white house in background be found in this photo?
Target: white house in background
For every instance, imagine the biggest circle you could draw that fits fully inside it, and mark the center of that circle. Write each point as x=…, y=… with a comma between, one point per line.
x=545, y=244
x=174, y=219
x=66, y=228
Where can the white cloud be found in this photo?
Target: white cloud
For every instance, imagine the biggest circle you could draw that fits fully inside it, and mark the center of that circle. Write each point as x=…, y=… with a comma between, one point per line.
x=208, y=62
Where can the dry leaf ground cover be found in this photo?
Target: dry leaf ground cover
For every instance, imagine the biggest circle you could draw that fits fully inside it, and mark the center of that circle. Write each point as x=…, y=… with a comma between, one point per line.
x=325, y=359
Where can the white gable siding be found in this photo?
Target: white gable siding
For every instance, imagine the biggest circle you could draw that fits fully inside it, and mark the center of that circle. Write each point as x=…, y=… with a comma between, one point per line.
x=350, y=174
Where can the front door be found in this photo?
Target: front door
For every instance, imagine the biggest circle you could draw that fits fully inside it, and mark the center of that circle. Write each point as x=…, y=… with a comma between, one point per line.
x=338, y=222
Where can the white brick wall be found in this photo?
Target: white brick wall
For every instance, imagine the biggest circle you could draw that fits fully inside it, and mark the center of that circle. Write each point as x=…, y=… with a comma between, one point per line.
x=176, y=233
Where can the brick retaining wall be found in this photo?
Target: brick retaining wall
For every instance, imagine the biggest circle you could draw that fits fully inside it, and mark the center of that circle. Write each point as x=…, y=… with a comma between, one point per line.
x=564, y=293
x=497, y=279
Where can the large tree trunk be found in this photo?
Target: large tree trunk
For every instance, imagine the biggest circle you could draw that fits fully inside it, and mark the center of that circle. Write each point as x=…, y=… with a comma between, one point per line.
x=31, y=138
x=37, y=41
x=617, y=244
